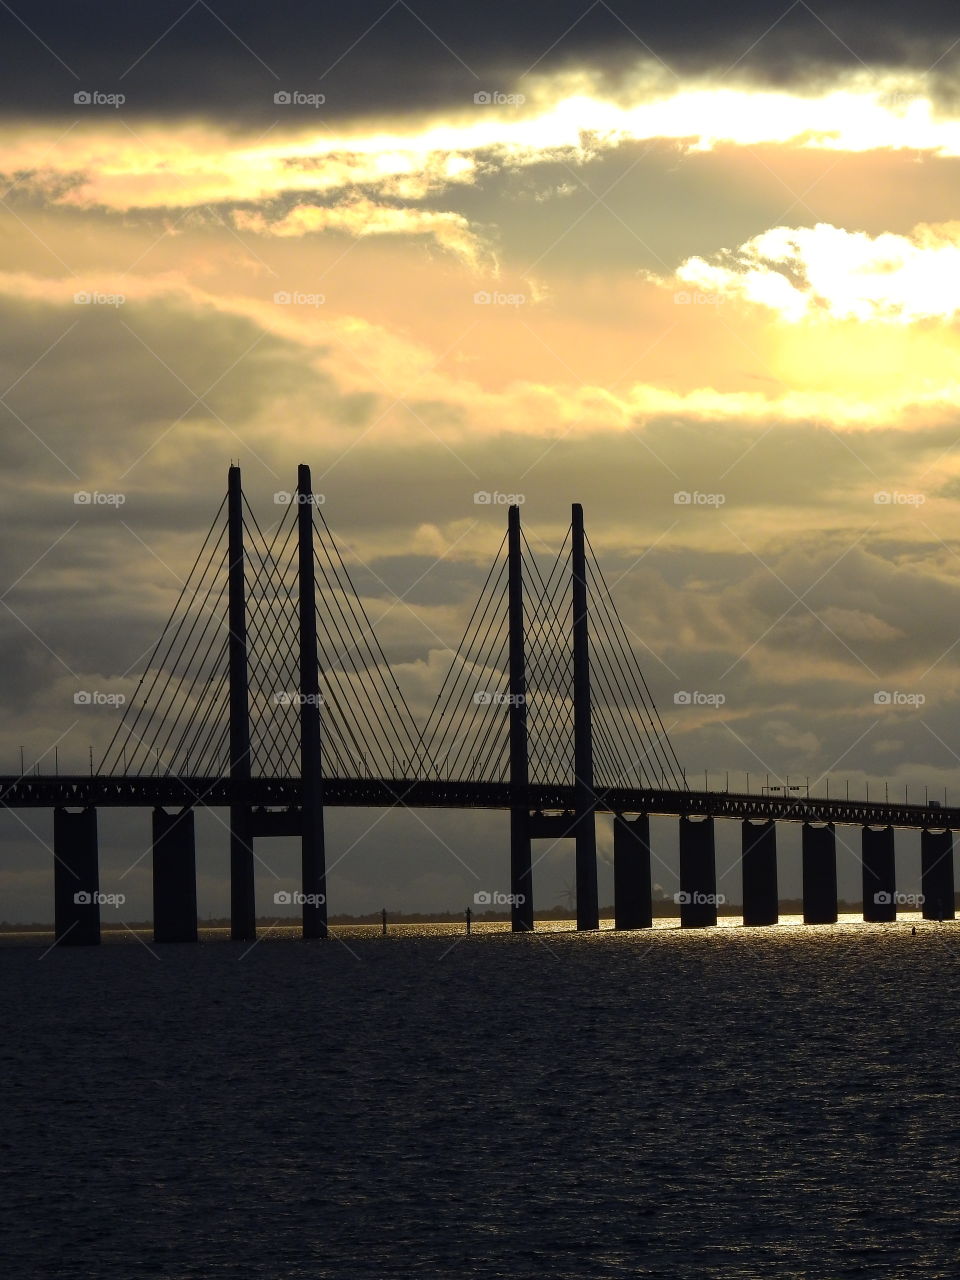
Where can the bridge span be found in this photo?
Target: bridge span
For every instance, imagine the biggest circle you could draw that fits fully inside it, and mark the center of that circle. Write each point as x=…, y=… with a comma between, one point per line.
x=268, y=695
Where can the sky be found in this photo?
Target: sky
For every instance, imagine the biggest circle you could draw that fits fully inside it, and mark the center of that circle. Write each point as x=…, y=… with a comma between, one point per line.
x=577, y=252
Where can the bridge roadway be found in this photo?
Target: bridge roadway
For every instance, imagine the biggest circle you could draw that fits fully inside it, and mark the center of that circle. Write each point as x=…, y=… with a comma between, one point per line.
x=168, y=791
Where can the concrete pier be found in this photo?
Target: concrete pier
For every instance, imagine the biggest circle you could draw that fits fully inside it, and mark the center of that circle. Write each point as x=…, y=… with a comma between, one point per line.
x=76, y=878
x=633, y=903
x=936, y=872
x=698, y=874
x=819, y=874
x=878, y=862
x=174, y=877
x=758, y=864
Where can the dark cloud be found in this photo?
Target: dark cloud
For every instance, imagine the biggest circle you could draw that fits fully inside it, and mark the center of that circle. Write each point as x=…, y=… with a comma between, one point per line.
x=228, y=59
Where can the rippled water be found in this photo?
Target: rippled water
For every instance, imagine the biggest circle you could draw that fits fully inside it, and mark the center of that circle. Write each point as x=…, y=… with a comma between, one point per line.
x=725, y=1103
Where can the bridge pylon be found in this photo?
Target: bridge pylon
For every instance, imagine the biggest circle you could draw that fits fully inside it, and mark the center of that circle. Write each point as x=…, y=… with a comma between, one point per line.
x=521, y=873
x=313, y=858
x=585, y=800
x=243, y=910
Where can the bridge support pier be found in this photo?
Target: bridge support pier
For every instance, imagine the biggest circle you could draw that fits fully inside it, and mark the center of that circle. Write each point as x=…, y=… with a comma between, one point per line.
x=521, y=872
x=819, y=873
x=698, y=874
x=174, y=877
x=633, y=903
x=76, y=878
x=878, y=863
x=758, y=864
x=936, y=872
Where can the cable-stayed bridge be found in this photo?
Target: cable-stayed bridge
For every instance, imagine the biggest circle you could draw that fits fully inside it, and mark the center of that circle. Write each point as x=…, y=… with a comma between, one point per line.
x=269, y=694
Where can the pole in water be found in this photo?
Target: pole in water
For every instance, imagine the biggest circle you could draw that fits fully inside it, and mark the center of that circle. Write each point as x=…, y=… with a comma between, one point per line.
x=468, y=917
x=383, y=922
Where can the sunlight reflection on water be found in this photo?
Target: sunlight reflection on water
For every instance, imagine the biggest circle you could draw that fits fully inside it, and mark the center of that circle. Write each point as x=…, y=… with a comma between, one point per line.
x=732, y=1103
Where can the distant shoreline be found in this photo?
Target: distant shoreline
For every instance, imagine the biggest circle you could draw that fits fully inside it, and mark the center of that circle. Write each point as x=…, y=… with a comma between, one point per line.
x=661, y=911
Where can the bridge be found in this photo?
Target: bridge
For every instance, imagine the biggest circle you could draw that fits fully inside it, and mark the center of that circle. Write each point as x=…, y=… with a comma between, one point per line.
x=268, y=694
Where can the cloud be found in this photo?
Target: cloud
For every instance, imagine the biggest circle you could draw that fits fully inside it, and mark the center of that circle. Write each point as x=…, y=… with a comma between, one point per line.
x=574, y=118
x=826, y=272
x=363, y=217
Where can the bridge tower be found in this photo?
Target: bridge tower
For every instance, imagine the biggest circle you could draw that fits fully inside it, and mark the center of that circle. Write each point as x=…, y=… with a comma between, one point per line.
x=521, y=877
x=313, y=860
x=243, y=911
x=585, y=800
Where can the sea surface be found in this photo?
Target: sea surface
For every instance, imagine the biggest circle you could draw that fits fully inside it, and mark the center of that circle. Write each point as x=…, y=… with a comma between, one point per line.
x=723, y=1103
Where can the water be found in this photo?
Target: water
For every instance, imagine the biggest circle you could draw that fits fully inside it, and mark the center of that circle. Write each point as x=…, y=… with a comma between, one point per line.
x=726, y=1103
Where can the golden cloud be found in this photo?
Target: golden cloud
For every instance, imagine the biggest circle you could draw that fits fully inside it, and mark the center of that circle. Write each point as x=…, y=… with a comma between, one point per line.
x=830, y=273
x=113, y=165
x=363, y=217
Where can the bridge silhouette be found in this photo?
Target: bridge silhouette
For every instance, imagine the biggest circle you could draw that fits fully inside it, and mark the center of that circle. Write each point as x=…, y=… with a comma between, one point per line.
x=269, y=694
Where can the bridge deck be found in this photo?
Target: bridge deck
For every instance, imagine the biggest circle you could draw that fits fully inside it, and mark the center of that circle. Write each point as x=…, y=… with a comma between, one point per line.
x=102, y=791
